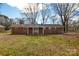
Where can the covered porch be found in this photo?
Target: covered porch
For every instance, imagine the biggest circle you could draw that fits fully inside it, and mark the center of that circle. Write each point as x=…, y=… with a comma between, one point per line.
x=35, y=30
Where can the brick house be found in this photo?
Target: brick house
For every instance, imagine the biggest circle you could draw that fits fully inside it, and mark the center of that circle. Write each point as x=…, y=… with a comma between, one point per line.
x=38, y=29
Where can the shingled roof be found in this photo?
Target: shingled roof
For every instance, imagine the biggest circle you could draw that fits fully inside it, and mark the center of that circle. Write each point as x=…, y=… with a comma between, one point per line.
x=3, y=16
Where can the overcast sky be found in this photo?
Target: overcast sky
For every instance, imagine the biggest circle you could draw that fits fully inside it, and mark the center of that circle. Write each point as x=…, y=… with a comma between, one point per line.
x=20, y=4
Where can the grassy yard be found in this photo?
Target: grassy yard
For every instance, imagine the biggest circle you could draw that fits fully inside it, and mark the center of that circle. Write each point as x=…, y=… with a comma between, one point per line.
x=18, y=45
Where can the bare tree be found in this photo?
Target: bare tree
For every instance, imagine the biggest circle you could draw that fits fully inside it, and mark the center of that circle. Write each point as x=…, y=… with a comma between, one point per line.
x=7, y=22
x=31, y=11
x=0, y=7
x=21, y=21
x=44, y=13
x=65, y=11
x=53, y=18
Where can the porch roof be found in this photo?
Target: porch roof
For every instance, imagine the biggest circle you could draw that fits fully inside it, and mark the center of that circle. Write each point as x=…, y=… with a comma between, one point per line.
x=37, y=25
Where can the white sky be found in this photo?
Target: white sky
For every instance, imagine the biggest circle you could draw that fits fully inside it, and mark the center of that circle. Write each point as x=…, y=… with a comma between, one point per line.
x=17, y=3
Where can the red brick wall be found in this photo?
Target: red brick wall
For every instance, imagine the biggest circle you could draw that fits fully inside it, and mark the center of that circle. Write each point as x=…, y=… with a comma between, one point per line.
x=19, y=30
x=54, y=30
x=47, y=30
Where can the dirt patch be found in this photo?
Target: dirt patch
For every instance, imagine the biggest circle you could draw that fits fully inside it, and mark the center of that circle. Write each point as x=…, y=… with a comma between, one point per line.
x=71, y=35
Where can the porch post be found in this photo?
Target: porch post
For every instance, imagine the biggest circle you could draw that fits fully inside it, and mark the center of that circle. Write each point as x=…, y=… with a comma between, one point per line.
x=33, y=30
x=38, y=30
x=43, y=30
x=27, y=30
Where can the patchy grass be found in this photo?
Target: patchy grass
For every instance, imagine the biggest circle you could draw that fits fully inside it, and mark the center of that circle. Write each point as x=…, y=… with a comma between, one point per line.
x=22, y=45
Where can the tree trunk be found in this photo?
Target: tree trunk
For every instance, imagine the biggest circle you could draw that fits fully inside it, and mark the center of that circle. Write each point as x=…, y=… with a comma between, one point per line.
x=65, y=26
x=43, y=21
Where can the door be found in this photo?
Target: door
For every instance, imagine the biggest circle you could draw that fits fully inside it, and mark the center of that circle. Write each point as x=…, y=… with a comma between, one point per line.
x=36, y=31
x=30, y=31
x=40, y=30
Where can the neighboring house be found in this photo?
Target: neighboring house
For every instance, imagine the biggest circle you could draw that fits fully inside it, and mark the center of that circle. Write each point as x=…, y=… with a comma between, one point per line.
x=2, y=28
x=38, y=29
x=3, y=19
